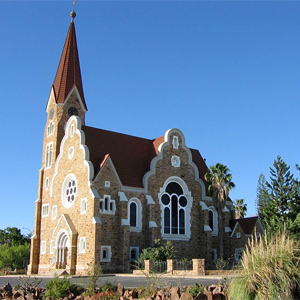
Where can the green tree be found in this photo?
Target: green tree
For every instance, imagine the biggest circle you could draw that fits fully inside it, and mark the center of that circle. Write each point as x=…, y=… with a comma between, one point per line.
x=278, y=199
x=240, y=208
x=219, y=185
x=14, y=256
x=13, y=235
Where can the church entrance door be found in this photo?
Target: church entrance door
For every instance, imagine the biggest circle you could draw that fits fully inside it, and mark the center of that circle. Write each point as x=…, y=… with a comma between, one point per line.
x=62, y=247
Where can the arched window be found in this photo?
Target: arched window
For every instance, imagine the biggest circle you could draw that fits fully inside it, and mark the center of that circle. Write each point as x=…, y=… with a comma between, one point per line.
x=176, y=205
x=213, y=220
x=135, y=214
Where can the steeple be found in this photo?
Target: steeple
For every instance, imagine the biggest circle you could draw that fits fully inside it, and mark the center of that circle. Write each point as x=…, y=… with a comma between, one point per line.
x=68, y=72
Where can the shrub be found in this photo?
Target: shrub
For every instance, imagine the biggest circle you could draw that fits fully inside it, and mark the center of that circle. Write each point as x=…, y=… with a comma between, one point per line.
x=270, y=269
x=94, y=271
x=60, y=288
x=196, y=289
x=14, y=256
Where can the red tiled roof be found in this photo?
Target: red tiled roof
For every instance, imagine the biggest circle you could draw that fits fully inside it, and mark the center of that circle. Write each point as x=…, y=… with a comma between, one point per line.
x=68, y=72
x=247, y=224
x=130, y=155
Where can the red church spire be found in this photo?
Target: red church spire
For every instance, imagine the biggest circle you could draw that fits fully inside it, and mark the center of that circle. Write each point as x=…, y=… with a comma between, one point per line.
x=68, y=72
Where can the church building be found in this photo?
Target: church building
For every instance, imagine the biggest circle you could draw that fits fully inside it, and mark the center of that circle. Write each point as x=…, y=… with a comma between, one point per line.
x=104, y=196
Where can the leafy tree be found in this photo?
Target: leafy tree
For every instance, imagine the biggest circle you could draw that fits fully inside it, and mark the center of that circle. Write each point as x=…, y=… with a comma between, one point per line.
x=279, y=199
x=14, y=256
x=13, y=235
x=240, y=208
x=219, y=185
x=158, y=253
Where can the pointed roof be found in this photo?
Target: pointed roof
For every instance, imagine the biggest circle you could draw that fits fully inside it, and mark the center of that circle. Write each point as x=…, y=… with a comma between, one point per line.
x=68, y=72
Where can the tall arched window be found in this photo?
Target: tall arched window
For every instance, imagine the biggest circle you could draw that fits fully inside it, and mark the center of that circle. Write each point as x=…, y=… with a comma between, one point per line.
x=175, y=211
x=135, y=214
x=213, y=220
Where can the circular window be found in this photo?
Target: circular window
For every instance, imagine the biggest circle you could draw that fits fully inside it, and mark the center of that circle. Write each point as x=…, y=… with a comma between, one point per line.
x=69, y=191
x=165, y=199
x=182, y=201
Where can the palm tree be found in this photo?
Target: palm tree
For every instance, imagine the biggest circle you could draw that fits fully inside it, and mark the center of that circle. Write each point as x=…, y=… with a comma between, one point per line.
x=219, y=185
x=240, y=208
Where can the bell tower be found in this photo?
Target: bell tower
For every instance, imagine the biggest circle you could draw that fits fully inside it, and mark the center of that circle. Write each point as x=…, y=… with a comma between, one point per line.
x=66, y=99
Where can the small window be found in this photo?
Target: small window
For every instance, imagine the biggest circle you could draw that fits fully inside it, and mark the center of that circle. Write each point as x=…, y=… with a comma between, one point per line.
x=107, y=205
x=45, y=210
x=83, y=206
x=49, y=154
x=43, y=247
x=82, y=244
x=213, y=220
x=54, y=212
x=50, y=128
x=238, y=235
x=133, y=253
x=106, y=253
x=51, y=247
x=107, y=183
x=135, y=215
x=47, y=183
x=175, y=142
x=72, y=130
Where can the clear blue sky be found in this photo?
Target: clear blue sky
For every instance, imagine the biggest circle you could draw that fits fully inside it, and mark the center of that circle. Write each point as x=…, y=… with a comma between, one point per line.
x=227, y=73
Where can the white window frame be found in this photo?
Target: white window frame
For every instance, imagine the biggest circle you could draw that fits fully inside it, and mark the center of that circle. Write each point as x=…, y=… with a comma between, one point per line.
x=52, y=247
x=68, y=178
x=72, y=130
x=45, y=210
x=108, y=251
x=110, y=202
x=54, y=212
x=137, y=251
x=238, y=235
x=139, y=213
x=215, y=229
x=43, y=247
x=107, y=183
x=48, y=155
x=83, y=206
x=50, y=128
x=175, y=142
x=187, y=210
x=237, y=253
x=47, y=183
x=82, y=244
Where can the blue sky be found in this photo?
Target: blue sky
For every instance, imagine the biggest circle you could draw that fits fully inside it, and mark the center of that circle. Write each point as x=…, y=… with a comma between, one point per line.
x=227, y=73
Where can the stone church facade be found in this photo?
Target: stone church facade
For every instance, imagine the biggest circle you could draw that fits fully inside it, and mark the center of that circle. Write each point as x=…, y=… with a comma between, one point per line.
x=104, y=196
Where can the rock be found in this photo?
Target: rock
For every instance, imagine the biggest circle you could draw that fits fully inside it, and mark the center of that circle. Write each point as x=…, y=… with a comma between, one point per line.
x=126, y=294
x=16, y=295
x=186, y=296
x=175, y=293
x=212, y=287
x=120, y=289
x=7, y=288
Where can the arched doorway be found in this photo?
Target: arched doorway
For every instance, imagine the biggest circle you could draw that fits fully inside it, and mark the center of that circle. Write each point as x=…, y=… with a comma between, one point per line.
x=62, y=246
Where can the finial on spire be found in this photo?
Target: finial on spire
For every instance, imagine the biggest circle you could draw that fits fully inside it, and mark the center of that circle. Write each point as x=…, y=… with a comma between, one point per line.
x=73, y=14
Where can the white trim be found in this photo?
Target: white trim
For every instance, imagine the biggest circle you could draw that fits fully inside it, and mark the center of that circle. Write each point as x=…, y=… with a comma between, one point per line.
x=207, y=228
x=161, y=148
x=71, y=152
x=225, y=209
x=124, y=222
x=82, y=147
x=203, y=205
x=108, y=253
x=96, y=220
x=70, y=177
x=122, y=197
x=175, y=142
x=50, y=128
x=152, y=224
x=139, y=214
x=149, y=200
x=47, y=183
x=227, y=229
x=111, y=205
x=107, y=184
x=68, y=222
x=48, y=155
x=234, y=228
x=238, y=235
x=175, y=161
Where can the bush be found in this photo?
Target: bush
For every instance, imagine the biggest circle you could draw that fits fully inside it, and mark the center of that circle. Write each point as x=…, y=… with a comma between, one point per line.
x=270, y=269
x=158, y=253
x=14, y=256
x=60, y=288
x=196, y=289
